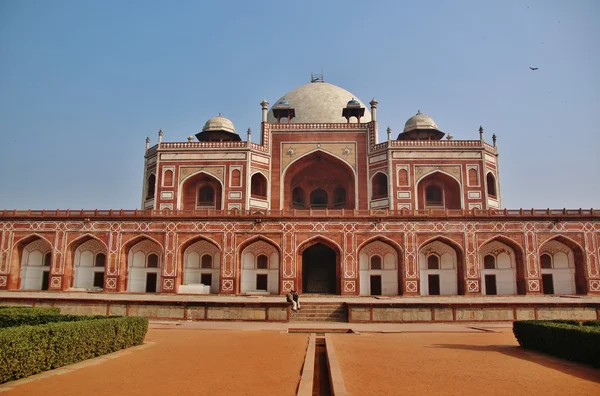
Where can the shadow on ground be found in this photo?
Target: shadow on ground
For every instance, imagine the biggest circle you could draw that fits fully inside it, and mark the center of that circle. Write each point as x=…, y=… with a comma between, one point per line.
x=571, y=368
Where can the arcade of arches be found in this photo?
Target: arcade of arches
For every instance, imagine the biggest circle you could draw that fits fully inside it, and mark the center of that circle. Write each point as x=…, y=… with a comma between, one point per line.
x=381, y=270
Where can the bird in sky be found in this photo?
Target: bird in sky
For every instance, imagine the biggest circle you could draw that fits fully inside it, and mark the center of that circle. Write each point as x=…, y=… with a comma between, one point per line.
x=533, y=68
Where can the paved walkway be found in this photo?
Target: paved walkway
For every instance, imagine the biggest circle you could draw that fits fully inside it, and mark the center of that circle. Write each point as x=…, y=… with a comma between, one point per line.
x=254, y=358
x=476, y=327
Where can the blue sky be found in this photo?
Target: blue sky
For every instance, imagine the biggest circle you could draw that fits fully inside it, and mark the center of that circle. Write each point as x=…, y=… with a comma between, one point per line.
x=82, y=83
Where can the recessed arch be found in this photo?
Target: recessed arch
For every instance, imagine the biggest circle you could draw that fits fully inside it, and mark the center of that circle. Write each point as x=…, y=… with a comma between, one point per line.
x=460, y=264
x=579, y=260
x=397, y=274
x=451, y=188
x=126, y=246
x=29, y=265
x=379, y=185
x=30, y=238
x=318, y=151
x=383, y=239
x=259, y=185
x=491, y=185
x=308, y=166
x=318, y=239
x=423, y=176
x=78, y=275
x=252, y=277
x=187, y=196
x=83, y=239
x=319, y=266
x=520, y=263
x=151, y=186
x=256, y=238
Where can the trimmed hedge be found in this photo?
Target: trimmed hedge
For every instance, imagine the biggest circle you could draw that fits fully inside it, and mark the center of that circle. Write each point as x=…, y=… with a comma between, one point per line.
x=28, y=310
x=595, y=323
x=564, y=340
x=28, y=350
x=34, y=320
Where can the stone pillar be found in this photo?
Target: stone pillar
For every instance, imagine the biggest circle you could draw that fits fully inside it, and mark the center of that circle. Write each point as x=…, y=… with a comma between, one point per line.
x=230, y=281
x=374, y=104
x=593, y=262
x=5, y=258
x=58, y=280
x=411, y=265
x=169, y=267
x=533, y=276
x=265, y=108
x=472, y=274
x=112, y=267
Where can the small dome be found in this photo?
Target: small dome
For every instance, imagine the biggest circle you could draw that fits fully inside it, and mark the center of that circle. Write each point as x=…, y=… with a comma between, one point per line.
x=283, y=103
x=353, y=102
x=218, y=123
x=420, y=121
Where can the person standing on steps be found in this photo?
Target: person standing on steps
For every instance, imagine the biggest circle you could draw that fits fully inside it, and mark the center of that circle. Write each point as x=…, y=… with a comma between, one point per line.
x=296, y=298
x=290, y=299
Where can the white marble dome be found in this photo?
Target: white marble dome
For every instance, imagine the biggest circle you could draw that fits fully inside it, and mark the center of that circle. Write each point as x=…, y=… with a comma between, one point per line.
x=420, y=121
x=318, y=102
x=218, y=123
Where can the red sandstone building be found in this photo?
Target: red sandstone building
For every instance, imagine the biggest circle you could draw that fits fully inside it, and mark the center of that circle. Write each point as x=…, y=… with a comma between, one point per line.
x=319, y=206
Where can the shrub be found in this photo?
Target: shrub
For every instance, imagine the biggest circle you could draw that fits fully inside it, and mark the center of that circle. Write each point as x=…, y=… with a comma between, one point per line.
x=17, y=319
x=28, y=310
x=595, y=323
x=28, y=350
x=564, y=340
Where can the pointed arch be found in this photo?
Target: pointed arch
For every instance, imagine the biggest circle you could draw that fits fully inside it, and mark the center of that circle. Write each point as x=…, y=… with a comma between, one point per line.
x=383, y=239
x=188, y=199
x=249, y=277
x=240, y=248
x=339, y=170
x=70, y=255
x=439, y=171
x=123, y=258
x=83, y=239
x=126, y=246
x=31, y=277
x=30, y=238
x=315, y=151
x=150, y=186
x=579, y=257
x=319, y=239
x=259, y=185
x=520, y=262
x=491, y=185
x=449, y=185
x=460, y=257
x=379, y=185
x=329, y=265
x=387, y=276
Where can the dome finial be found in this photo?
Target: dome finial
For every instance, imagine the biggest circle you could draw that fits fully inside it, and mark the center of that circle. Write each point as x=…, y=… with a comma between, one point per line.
x=419, y=111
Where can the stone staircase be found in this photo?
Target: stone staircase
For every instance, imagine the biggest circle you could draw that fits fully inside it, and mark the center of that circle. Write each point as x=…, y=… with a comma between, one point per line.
x=320, y=312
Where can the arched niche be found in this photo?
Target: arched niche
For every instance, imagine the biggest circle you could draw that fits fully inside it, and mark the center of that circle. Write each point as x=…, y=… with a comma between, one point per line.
x=319, y=171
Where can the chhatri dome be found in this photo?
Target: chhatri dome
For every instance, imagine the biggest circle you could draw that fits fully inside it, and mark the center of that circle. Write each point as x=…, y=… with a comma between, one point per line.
x=421, y=127
x=218, y=128
x=318, y=102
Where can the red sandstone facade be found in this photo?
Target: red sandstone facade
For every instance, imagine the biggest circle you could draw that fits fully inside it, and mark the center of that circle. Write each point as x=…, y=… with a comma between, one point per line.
x=321, y=207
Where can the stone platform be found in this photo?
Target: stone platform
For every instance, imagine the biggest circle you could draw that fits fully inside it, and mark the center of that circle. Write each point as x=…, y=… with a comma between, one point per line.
x=430, y=309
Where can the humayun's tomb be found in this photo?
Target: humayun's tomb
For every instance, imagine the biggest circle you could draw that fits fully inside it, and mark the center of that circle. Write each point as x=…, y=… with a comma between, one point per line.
x=320, y=206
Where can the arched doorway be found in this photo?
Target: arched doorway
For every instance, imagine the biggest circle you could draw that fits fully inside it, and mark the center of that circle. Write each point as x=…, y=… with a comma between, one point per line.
x=319, y=275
